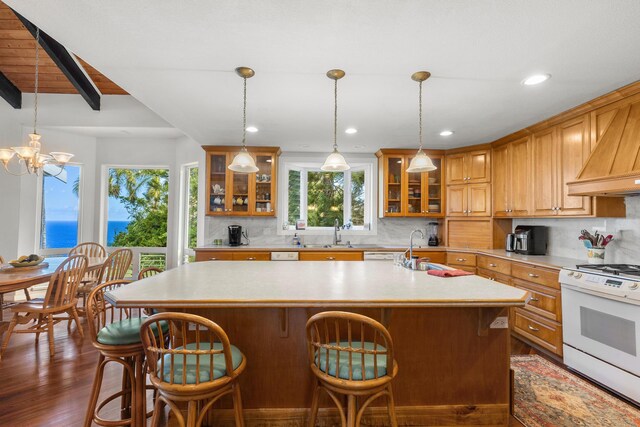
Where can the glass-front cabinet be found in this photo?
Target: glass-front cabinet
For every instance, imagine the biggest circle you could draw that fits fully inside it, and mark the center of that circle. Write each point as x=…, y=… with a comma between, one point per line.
x=404, y=194
x=237, y=194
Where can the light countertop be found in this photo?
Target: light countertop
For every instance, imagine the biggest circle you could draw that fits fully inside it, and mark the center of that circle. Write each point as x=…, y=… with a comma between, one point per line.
x=310, y=284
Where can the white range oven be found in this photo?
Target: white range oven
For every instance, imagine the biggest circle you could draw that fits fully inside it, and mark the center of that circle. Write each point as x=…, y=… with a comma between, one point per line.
x=601, y=324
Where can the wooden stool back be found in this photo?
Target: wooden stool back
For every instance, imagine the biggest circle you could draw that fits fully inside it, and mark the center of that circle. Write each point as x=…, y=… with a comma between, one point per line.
x=90, y=250
x=148, y=272
x=65, y=281
x=101, y=313
x=185, y=329
x=336, y=331
x=116, y=265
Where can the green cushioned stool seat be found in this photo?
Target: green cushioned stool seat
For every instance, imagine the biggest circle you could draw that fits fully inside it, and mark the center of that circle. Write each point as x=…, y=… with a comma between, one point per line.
x=125, y=332
x=356, y=361
x=219, y=368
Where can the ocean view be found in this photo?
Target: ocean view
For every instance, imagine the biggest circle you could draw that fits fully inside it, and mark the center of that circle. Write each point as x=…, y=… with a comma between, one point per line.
x=64, y=234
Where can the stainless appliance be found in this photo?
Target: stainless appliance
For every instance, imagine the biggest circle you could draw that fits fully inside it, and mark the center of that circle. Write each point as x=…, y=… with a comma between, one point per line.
x=531, y=239
x=235, y=235
x=510, y=243
x=381, y=256
x=432, y=232
x=601, y=324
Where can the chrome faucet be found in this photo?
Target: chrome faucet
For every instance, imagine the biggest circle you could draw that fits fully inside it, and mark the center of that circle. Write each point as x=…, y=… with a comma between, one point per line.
x=336, y=236
x=411, y=245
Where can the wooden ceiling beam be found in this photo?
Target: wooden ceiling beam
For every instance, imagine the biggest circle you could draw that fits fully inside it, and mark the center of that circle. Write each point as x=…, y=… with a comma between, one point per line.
x=10, y=92
x=69, y=67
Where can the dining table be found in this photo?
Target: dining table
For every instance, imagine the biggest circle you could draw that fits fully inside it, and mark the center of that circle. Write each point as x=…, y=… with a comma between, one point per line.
x=17, y=278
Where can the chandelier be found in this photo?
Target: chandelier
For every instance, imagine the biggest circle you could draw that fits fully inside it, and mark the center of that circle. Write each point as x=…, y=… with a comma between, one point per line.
x=421, y=162
x=335, y=161
x=29, y=158
x=243, y=162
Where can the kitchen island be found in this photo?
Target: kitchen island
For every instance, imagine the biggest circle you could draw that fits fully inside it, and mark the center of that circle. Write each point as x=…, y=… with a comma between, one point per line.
x=453, y=363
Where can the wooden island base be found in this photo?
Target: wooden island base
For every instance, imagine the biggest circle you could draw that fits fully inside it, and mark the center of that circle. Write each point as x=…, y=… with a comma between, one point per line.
x=453, y=370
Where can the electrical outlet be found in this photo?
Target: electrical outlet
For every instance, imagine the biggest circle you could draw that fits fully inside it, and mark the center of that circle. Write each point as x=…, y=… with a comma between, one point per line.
x=501, y=322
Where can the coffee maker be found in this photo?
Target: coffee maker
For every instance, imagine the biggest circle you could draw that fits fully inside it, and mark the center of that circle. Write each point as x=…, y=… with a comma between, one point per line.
x=531, y=239
x=235, y=235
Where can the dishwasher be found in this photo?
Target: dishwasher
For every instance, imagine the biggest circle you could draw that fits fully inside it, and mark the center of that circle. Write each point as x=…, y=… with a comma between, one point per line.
x=381, y=256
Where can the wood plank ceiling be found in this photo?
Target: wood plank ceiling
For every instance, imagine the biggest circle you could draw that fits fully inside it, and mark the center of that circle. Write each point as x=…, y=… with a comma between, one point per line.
x=17, y=62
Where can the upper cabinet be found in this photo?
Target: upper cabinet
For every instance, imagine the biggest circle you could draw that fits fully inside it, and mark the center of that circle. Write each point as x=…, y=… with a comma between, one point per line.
x=404, y=194
x=470, y=167
x=511, y=178
x=237, y=194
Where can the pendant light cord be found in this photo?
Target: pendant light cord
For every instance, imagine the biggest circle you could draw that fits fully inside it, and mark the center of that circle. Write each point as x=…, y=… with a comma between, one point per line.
x=420, y=114
x=35, y=115
x=244, y=115
x=335, y=115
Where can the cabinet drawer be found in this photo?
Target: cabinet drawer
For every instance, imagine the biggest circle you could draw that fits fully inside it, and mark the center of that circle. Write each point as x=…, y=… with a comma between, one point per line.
x=213, y=256
x=494, y=264
x=539, y=275
x=251, y=256
x=461, y=259
x=541, y=331
x=331, y=256
x=544, y=301
x=437, y=257
x=492, y=275
x=465, y=268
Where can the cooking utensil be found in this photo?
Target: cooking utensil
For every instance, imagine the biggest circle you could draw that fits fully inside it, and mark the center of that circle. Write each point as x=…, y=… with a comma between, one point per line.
x=587, y=243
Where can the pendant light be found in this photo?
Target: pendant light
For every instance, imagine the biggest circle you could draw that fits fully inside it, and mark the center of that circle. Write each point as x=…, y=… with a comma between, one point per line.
x=335, y=161
x=29, y=155
x=243, y=162
x=421, y=162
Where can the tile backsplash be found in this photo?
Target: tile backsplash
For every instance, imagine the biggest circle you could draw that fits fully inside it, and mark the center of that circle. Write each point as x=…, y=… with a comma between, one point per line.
x=563, y=234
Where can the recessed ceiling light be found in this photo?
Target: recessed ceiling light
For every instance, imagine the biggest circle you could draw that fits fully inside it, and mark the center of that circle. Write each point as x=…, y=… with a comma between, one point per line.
x=252, y=129
x=536, y=79
x=351, y=131
x=446, y=133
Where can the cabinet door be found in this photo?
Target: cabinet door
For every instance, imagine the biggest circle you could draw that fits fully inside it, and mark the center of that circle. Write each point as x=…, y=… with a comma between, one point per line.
x=500, y=180
x=479, y=199
x=239, y=190
x=263, y=194
x=415, y=192
x=393, y=177
x=217, y=184
x=457, y=200
x=519, y=177
x=455, y=169
x=477, y=166
x=544, y=173
x=433, y=202
x=573, y=150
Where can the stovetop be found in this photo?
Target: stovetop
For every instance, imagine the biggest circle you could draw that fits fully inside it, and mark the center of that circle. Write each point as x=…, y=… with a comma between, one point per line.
x=623, y=270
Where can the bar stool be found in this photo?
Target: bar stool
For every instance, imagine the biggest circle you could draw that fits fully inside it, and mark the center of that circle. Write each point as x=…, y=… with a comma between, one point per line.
x=116, y=335
x=194, y=363
x=148, y=272
x=350, y=355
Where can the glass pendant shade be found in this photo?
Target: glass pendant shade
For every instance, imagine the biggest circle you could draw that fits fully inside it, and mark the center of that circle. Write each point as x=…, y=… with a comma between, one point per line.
x=61, y=157
x=243, y=162
x=25, y=152
x=421, y=163
x=335, y=163
x=6, y=154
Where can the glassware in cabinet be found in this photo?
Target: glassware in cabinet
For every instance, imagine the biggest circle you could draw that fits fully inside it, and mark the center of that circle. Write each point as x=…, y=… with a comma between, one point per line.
x=217, y=183
x=393, y=185
x=264, y=204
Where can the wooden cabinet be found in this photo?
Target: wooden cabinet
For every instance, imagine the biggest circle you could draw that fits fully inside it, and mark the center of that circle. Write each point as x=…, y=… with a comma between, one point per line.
x=469, y=200
x=547, y=334
x=468, y=167
x=434, y=256
x=404, y=194
x=236, y=194
x=511, y=166
x=493, y=264
x=331, y=256
x=477, y=233
x=492, y=275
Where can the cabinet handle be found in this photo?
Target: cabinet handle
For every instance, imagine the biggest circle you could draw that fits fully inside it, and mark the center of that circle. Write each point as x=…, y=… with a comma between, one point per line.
x=493, y=265
x=461, y=259
x=331, y=258
x=251, y=258
x=535, y=276
x=533, y=329
x=213, y=259
x=534, y=299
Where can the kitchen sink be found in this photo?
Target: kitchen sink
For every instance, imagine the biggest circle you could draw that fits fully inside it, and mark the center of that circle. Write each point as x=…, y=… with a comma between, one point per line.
x=311, y=246
x=319, y=246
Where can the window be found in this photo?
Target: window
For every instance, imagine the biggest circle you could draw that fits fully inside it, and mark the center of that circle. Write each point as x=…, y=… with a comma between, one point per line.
x=322, y=198
x=189, y=206
x=60, y=209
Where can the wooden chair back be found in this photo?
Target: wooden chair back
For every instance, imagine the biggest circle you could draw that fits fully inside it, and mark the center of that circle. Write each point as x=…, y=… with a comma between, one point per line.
x=184, y=329
x=90, y=250
x=148, y=272
x=1, y=260
x=337, y=331
x=116, y=265
x=65, y=281
x=101, y=313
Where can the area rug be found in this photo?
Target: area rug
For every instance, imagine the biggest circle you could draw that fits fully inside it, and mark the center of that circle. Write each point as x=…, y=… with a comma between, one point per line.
x=546, y=395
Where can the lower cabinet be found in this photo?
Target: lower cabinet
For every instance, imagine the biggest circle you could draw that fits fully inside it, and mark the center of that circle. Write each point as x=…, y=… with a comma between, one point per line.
x=437, y=257
x=251, y=256
x=539, y=330
x=462, y=261
x=331, y=256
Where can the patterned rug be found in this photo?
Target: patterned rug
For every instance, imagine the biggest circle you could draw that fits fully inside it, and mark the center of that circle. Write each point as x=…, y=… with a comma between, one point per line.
x=546, y=395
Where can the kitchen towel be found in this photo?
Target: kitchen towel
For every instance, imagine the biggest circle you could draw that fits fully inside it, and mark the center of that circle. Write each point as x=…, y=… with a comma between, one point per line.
x=449, y=273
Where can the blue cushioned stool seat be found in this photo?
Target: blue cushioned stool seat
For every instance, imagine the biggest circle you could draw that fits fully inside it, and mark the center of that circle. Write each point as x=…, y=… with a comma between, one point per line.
x=219, y=367
x=356, y=361
x=125, y=332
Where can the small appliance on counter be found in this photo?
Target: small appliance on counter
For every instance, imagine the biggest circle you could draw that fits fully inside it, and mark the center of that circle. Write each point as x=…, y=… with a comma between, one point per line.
x=510, y=243
x=531, y=239
x=432, y=232
x=235, y=235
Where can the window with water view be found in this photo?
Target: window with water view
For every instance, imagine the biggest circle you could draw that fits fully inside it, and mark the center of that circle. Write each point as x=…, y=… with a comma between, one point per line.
x=60, y=212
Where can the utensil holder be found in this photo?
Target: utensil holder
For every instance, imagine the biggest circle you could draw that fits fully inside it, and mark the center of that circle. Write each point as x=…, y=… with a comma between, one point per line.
x=595, y=255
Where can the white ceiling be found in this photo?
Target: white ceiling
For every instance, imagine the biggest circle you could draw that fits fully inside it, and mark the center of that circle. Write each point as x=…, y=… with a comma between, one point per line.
x=178, y=59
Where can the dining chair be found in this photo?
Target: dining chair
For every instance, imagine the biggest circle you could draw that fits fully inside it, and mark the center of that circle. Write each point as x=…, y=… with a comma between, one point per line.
x=193, y=362
x=115, y=267
x=26, y=291
x=59, y=299
x=350, y=355
x=148, y=272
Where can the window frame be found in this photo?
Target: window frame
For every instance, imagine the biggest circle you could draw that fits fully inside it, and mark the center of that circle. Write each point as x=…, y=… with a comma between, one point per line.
x=304, y=162
x=183, y=214
x=39, y=207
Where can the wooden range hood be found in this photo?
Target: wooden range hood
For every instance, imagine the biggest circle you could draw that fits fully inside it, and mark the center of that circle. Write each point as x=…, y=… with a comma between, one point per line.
x=613, y=168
